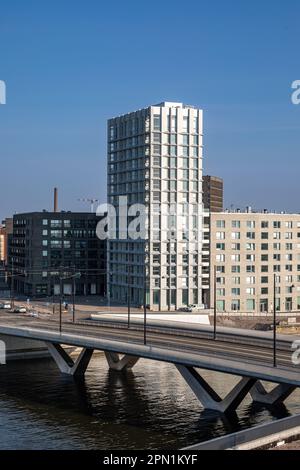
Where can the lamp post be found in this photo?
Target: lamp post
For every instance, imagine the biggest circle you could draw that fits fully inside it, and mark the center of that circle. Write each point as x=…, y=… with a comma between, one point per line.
x=145, y=306
x=73, y=294
x=215, y=302
x=60, y=299
x=129, y=296
x=274, y=324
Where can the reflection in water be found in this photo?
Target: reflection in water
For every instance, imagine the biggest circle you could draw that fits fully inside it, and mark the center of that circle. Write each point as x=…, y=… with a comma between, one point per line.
x=150, y=407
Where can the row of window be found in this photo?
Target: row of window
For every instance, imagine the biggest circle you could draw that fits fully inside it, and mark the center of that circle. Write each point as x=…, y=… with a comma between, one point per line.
x=252, y=235
x=188, y=125
x=263, y=305
x=236, y=291
x=253, y=279
x=263, y=224
x=254, y=246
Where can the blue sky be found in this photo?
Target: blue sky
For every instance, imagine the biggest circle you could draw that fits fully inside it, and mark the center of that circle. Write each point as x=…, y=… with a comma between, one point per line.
x=70, y=65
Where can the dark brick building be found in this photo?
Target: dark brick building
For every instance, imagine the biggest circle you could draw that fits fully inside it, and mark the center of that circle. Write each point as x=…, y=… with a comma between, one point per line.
x=46, y=246
x=213, y=193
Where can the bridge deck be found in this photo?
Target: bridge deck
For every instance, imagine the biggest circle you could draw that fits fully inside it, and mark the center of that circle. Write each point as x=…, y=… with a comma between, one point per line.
x=230, y=354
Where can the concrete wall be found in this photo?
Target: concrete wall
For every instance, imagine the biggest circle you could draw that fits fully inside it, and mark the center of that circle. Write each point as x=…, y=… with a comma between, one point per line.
x=20, y=348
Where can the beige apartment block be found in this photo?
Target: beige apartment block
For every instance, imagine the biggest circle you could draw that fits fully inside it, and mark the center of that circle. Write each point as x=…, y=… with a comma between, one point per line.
x=251, y=253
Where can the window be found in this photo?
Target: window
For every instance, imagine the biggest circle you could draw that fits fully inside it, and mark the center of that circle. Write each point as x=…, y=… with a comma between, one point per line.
x=264, y=280
x=235, y=305
x=235, y=235
x=250, y=291
x=220, y=235
x=220, y=305
x=264, y=224
x=236, y=246
x=236, y=258
x=250, y=258
x=250, y=280
x=235, y=269
x=236, y=291
x=220, y=246
x=236, y=280
x=264, y=258
x=250, y=235
x=156, y=297
x=156, y=137
x=221, y=292
x=156, y=149
x=276, y=224
x=264, y=235
x=45, y=221
x=250, y=305
x=250, y=224
x=220, y=224
x=250, y=269
x=235, y=224
x=250, y=246
x=220, y=258
x=185, y=124
x=185, y=140
x=173, y=139
x=264, y=246
x=156, y=122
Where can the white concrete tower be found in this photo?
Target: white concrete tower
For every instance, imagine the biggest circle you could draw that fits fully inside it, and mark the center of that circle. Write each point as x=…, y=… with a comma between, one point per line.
x=155, y=159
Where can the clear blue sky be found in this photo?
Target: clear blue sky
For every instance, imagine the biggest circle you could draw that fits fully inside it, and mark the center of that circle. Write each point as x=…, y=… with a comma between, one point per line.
x=70, y=65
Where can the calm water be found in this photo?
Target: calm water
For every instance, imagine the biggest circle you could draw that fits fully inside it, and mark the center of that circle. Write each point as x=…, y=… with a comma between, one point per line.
x=148, y=408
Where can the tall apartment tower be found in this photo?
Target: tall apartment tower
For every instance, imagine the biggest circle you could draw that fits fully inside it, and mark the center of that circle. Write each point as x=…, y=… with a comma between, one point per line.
x=155, y=159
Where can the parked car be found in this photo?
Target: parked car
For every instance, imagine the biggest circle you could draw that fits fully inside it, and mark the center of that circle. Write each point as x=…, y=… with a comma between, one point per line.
x=196, y=307
x=185, y=309
x=20, y=309
x=5, y=306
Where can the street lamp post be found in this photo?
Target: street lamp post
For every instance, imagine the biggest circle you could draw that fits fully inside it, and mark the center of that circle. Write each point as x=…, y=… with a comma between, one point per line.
x=145, y=308
x=60, y=299
x=274, y=325
x=129, y=297
x=73, y=294
x=215, y=302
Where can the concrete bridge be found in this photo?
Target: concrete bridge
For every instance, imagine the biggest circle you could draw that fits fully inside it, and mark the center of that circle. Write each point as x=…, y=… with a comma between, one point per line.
x=242, y=353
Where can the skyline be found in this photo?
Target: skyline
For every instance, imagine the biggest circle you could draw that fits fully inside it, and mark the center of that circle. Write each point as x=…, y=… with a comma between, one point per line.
x=63, y=82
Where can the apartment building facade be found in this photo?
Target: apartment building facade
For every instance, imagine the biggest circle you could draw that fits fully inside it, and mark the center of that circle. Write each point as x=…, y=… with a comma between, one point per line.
x=250, y=254
x=46, y=246
x=155, y=159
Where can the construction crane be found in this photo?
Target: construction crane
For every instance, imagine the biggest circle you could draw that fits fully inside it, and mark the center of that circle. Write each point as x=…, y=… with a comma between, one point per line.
x=91, y=201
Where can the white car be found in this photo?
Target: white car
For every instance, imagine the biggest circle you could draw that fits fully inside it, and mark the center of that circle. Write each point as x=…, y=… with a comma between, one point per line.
x=20, y=309
x=5, y=306
x=196, y=308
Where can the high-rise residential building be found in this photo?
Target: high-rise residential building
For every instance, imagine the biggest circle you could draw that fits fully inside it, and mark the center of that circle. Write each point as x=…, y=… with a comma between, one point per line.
x=155, y=159
x=46, y=246
x=213, y=193
x=253, y=252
